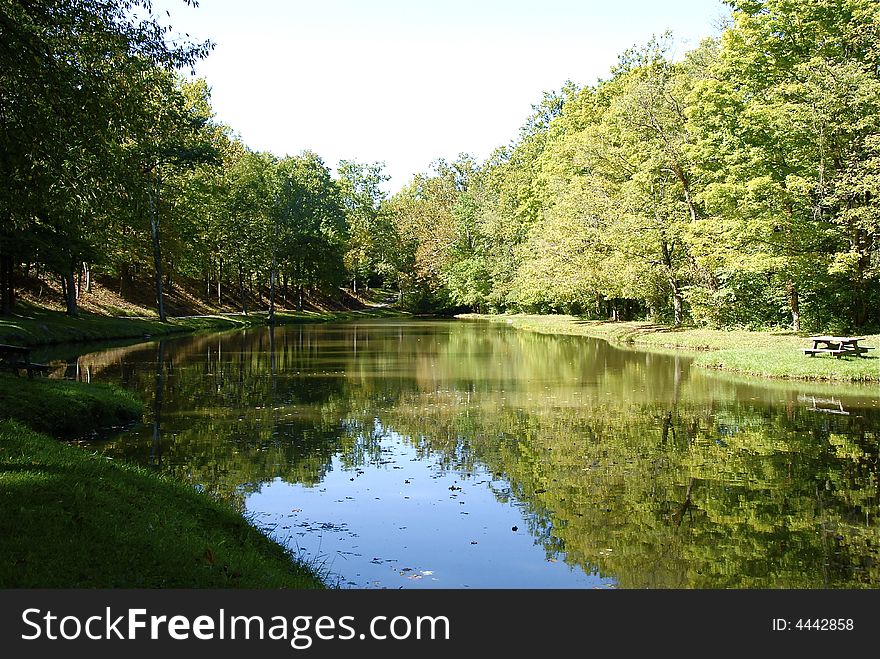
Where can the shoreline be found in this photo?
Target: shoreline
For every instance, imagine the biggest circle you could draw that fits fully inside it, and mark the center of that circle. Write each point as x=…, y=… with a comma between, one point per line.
x=134, y=512
x=82, y=520
x=776, y=355
x=36, y=327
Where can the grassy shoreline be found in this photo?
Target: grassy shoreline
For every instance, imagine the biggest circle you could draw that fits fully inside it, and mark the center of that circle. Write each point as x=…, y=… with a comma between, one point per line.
x=769, y=354
x=34, y=326
x=75, y=519
x=72, y=519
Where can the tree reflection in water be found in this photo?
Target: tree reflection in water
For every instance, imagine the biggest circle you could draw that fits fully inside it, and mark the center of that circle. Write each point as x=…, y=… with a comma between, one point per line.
x=630, y=464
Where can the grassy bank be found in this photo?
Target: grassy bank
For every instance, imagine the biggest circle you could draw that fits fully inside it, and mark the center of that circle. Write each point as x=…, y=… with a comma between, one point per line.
x=33, y=326
x=70, y=518
x=61, y=407
x=767, y=354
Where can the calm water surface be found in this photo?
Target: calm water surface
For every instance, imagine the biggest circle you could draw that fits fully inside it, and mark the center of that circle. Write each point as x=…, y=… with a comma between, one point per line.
x=456, y=454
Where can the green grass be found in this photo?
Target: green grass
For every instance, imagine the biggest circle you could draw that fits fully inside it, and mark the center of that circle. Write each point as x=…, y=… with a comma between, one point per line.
x=32, y=326
x=71, y=519
x=792, y=364
x=62, y=407
x=74, y=519
x=772, y=354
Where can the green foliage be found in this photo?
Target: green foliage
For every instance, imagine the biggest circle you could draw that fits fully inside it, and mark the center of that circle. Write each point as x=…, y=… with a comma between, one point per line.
x=733, y=187
x=83, y=83
x=370, y=236
x=736, y=186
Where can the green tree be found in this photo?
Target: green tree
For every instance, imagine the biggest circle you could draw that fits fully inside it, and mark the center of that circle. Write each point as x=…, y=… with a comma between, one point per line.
x=788, y=122
x=67, y=69
x=312, y=232
x=362, y=195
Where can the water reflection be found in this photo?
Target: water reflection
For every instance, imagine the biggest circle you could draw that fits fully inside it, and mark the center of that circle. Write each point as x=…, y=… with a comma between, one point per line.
x=615, y=467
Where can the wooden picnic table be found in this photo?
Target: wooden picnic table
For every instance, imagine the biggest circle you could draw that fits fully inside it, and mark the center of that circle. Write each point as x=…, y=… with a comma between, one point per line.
x=17, y=358
x=837, y=345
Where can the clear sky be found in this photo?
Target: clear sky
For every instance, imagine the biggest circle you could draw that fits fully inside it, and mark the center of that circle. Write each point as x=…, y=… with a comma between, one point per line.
x=405, y=82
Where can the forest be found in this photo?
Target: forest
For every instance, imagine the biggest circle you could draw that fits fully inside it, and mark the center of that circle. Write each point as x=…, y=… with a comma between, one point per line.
x=732, y=185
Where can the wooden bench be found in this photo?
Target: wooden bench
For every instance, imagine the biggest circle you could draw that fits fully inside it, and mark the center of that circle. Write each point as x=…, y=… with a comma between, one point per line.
x=18, y=358
x=838, y=346
x=823, y=351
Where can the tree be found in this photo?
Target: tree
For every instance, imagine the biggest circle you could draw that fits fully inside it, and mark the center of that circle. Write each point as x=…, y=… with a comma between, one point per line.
x=66, y=67
x=175, y=134
x=362, y=197
x=788, y=122
x=311, y=230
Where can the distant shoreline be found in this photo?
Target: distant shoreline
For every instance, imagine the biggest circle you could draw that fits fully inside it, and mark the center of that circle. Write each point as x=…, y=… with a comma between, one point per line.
x=768, y=354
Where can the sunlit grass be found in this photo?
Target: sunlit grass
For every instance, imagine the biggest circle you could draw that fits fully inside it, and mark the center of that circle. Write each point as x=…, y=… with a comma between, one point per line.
x=792, y=363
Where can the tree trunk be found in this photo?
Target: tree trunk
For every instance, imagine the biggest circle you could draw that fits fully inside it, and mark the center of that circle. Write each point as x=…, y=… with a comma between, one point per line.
x=6, y=283
x=124, y=276
x=860, y=290
x=273, y=274
x=157, y=250
x=677, y=299
x=241, y=290
x=169, y=276
x=677, y=303
x=88, y=273
x=70, y=291
x=794, y=303
x=219, y=277
x=299, y=300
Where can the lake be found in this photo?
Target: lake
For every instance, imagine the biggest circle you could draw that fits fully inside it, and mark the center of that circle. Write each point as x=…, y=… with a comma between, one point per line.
x=402, y=453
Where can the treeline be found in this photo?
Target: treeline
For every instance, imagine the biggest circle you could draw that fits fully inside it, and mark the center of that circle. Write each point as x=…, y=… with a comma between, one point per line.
x=112, y=163
x=734, y=186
